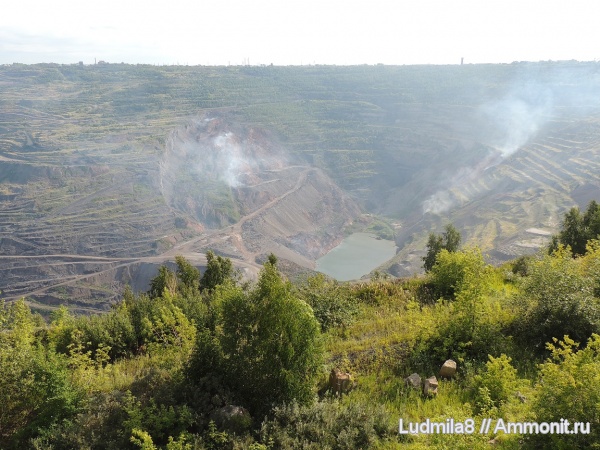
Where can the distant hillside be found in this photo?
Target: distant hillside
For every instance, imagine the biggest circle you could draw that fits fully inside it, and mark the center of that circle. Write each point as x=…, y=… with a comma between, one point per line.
x=118, y=162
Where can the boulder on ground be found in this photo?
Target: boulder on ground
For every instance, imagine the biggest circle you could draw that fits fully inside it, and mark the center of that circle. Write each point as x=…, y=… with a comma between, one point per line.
x=232, y=418
x=413, y=381
x=430, y=386
x=448, y=369
x=340, y=382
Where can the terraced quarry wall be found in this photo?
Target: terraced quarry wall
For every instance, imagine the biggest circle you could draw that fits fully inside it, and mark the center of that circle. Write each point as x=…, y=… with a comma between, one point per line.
x=514, y=207
x=114, y=161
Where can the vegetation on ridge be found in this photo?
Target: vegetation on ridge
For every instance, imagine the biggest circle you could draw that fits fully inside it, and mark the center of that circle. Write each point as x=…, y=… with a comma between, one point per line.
x=245, y=365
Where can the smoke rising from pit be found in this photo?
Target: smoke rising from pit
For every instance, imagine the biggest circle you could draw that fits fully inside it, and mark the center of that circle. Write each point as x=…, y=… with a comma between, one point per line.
x=207, y=159
x=215, y=150
x=439, y=202
x=510, y=123
x=229, y=161
x=518, y=117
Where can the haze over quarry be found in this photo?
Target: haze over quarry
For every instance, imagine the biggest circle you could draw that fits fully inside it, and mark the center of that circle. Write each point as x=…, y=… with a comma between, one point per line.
x=109, y=170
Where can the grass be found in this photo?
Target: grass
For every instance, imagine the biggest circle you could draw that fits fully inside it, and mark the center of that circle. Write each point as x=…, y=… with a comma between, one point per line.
x=399, y=323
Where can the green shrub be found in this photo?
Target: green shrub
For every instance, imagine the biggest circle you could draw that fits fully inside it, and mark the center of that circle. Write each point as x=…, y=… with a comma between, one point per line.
x=469, y=327
x=159, y=420
x=333, y=304
x=453, y=269
x=569, y=389
x=329, y=425
x=557, y=300
x=496, y=384
x=265, y=347
x=522, y=265
x=36, y=392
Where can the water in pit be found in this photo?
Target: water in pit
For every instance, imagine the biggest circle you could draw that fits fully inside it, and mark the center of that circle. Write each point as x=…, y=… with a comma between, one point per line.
x=355, y=256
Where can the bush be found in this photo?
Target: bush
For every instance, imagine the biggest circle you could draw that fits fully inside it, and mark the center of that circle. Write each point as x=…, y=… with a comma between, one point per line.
x=36, y=392
x=333, y=305
x=452, y=270
x=496, y=385
x=460, y=335
x=557, y=300
x=471, y=325
x=522, y=265
x=569, y=389
x=329, y=425
x=266, y=344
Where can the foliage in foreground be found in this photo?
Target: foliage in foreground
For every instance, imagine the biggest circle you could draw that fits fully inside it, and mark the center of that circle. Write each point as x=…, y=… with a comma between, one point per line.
x=265, y=345
x=156, y=371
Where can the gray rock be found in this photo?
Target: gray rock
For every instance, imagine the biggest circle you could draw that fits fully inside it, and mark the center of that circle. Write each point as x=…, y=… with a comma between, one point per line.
x=232, y=418
x=413, y=381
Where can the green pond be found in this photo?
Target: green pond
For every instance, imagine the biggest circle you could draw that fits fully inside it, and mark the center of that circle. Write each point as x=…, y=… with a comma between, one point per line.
x=355, y=256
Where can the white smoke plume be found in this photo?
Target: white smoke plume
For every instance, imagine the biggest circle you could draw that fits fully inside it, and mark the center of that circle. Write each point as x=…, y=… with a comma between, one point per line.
x=213, y=151
x=439, y=202
x=229, y=160
x=511, y=122
x=517, y=117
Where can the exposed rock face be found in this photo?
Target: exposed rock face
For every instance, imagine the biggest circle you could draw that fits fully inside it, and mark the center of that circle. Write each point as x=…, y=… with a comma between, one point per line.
x=213, y=184
x=448, y=369
x=242, y=176
x=204, y=160
x=413, y=381
x=430, y=386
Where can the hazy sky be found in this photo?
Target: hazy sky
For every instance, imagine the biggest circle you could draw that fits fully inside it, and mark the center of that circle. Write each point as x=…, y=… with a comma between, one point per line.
x=298, y=32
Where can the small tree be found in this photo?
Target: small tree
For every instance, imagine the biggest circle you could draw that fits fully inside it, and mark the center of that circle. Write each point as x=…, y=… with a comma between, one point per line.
x=577, y=229
x=218, y=270
x=270, y=342
x=188, y=275
x=572, y=233
x=185, y=281
x=435, y=245
x=591, y=221
x=451, y=238
x=448, y=240
x=165, y=280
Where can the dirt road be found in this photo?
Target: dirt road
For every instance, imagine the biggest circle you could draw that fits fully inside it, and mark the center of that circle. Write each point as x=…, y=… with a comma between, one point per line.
x=185, y=249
